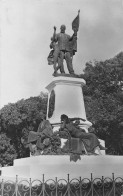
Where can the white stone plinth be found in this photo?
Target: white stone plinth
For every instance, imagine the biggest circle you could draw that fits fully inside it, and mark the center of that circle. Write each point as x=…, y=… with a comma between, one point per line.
x=59, y=166
x=68, y=98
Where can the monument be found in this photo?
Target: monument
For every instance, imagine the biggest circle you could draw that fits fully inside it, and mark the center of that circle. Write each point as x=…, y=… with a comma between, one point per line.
x=62, y=140
x=68, y=101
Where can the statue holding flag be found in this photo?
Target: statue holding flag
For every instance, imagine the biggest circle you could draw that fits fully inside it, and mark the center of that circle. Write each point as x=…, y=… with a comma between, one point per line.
x=65, y=47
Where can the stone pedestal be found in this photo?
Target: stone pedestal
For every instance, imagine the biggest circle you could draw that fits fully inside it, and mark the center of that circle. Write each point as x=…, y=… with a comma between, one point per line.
x=68, y=99
x=59, y=166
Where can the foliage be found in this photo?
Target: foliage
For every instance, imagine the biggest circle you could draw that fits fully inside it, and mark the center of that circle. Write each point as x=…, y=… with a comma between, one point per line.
x=104, y=100
x=7, y=151
x=25, y=114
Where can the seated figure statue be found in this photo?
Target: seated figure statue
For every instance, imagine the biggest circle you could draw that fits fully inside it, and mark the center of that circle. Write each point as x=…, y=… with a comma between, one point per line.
x=37, y=141
x=90, y=140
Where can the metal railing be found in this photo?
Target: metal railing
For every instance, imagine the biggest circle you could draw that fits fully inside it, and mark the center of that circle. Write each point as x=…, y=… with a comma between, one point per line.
x=104, y=186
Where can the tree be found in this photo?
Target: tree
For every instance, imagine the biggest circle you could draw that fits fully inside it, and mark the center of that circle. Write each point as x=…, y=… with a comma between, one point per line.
x=25, y=114
x=7, y=151
x=104, y=100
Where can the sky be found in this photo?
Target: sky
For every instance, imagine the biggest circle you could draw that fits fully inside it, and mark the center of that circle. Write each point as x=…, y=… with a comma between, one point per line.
x=26, y=30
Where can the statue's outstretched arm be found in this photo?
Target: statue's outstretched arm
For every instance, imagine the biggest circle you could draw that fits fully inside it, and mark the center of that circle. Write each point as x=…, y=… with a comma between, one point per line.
x=54, y=34
x=73, y=119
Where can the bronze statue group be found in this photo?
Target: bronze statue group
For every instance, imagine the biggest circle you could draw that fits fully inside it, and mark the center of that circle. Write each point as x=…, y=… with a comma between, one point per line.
x=70, y=127
x=63, y=48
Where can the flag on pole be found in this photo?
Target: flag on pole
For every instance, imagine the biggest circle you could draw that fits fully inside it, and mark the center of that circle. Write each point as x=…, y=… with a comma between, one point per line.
x=75, y=23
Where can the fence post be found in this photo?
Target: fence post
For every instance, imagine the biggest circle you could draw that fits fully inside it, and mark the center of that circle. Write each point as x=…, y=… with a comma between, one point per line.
x=68, y=185
x=113, y=184
x=92, y=184
x=30, y=186
x=56, y=187
x=103, y=185
x=43, y=186
x=2, y=187
x=16, y=186
x=80, y=183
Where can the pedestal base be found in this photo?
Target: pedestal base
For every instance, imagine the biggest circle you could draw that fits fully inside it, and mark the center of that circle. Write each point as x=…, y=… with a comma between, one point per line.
x=59, y=166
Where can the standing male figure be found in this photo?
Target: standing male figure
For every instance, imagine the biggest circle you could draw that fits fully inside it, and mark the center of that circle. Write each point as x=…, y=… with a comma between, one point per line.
x=64, y=46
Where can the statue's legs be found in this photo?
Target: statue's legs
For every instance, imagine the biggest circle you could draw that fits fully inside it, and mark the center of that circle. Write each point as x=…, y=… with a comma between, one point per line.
x=59, y=66
x=60, y=62
x=69, y=62
x=56, y=57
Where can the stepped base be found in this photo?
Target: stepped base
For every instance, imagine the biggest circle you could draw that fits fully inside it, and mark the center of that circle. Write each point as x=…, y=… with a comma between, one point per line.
x=59, y=166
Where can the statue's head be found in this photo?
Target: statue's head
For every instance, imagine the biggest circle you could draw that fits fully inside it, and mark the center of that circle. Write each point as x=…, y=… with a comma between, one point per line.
x=41, y=116
x=64, y=117
x=63, y=28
